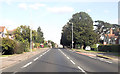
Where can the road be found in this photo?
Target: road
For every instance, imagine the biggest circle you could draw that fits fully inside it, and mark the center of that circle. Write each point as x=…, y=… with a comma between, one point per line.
x=63, y=60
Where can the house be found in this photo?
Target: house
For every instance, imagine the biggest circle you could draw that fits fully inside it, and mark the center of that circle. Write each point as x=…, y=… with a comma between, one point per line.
x=11, y=34
x=111, y=38
x=3, y=32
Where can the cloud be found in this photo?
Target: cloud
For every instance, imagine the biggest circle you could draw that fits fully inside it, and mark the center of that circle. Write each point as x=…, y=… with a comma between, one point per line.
x=60, y=0
x=23, y=5
x=31, y=6
x=36, y=6
x=63, y=9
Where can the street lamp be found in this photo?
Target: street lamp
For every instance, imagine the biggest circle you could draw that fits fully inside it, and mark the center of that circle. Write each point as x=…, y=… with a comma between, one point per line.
x=72, y=34
x=30, y=31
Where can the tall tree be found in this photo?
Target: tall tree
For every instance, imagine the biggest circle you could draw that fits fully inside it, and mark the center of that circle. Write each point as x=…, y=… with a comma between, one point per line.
x=22, y=33
x=40, y=38
x=83, y=33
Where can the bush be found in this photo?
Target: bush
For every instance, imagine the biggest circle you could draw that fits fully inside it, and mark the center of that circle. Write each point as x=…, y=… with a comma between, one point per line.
x=94, y=47
x=109, y=48
x=25, y=45
x=18, y=48
x=8, y=46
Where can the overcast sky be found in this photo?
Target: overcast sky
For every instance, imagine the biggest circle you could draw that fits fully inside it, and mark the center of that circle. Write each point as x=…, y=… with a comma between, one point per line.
x=52, y=15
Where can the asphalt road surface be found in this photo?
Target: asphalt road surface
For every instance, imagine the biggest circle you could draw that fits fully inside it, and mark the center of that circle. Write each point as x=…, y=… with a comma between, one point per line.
x=63, y=60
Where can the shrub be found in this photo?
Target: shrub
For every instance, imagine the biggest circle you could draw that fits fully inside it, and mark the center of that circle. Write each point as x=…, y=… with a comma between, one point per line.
x=8, y=46
x=109, y=48
x=18, y=48
x=94, y=47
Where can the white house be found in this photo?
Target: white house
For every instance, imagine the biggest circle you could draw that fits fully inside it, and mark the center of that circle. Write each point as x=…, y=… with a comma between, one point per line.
x=3, y=32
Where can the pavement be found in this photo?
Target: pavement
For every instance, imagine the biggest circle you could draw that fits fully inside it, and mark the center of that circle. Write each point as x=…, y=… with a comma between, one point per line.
x=17, y=58
x=107, y=55
x=63, y=60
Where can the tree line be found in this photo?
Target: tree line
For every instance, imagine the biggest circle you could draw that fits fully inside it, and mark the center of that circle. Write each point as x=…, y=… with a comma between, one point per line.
x=21, y=42
x=83, y=32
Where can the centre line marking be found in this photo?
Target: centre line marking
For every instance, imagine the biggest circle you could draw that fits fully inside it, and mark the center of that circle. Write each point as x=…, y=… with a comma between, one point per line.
x=81, y=69
x=27, y=64
x=72, y=61
x=68, y=58
x=35, y=59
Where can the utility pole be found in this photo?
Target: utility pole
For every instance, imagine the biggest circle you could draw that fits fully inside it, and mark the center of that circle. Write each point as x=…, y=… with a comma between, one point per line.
x=30, y=31
x=72, y=36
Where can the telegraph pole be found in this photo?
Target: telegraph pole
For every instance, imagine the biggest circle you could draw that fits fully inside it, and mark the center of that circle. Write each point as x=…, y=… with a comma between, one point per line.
x=30, y=31
x=72, y=36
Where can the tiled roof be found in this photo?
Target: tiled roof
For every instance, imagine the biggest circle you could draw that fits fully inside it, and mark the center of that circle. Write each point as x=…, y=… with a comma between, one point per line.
x=11, y=31
x=2, y=28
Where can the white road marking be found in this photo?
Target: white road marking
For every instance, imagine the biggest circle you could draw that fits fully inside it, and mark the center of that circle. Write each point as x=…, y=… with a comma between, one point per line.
x=92, y=57
x=65, y=55
x=36, y=58
x=68, y=58
x=27, y=65
x=108, y=61
x=72, y=62
x=81, y=69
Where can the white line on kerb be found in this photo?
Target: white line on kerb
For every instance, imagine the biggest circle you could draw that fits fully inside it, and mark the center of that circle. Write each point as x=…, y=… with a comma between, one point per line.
x=27, y=65
x=72, y=61
x=35, y=59
x=81, y=69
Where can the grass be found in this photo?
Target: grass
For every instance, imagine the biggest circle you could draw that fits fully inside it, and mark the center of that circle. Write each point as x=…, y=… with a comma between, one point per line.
x=5, y=55
x=82, y=50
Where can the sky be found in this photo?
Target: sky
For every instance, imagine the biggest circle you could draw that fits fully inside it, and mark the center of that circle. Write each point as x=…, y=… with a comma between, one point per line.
x=52, y=15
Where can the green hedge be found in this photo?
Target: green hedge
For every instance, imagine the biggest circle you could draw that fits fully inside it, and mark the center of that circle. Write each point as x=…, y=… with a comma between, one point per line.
x=109, y=48
x=8, y=46
x=13, y=47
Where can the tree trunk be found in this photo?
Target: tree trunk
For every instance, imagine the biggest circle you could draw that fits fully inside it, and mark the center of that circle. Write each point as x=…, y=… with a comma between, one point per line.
x=82, y=46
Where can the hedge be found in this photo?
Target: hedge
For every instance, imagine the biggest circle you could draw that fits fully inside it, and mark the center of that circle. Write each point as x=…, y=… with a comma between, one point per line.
x=8, y=46
x=13, y=47
x=109, y=48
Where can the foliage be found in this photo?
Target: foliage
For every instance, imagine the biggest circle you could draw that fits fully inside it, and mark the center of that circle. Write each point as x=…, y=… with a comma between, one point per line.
x=8, y=46
x=104, y=27
x=22, y=33
x=52, y=43
x=109, y=48
x=19, y=48
x=40, y=38
x=37, y=45
x=83, y=33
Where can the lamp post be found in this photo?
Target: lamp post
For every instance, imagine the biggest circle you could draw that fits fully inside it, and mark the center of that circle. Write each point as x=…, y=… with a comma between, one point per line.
x=72, y=33
x=30, y=31
x=72, y=36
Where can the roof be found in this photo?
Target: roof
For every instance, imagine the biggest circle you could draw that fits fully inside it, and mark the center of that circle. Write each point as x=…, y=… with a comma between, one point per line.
x=2, y=28
x=11, y=31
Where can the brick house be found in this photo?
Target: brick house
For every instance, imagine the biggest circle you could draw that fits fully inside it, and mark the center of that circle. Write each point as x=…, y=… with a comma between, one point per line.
x=111, y=38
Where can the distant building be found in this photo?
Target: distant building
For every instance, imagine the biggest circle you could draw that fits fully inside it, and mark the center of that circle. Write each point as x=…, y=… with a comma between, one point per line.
x=3, y=32
x=111, y=38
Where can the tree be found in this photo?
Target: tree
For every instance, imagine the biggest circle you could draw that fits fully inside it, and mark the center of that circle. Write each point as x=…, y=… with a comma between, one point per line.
x=40, y=38
x=83, y=33
x=22, y=33
x=104, y=28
